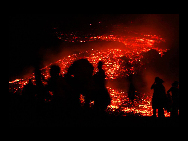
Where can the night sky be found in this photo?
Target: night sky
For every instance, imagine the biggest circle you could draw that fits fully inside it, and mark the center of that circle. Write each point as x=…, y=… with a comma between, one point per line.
x=28, y=33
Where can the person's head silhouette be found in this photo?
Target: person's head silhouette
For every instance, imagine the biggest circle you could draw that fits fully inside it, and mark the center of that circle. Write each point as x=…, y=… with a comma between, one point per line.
x=158, y=80
x=100, y=64
x=175, y=84
x=54, y=71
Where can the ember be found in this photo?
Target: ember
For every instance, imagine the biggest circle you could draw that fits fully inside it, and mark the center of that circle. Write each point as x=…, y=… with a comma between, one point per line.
x=118, y=63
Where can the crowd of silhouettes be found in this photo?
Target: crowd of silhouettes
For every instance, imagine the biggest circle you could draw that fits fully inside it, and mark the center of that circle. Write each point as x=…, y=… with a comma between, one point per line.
x=64, y=91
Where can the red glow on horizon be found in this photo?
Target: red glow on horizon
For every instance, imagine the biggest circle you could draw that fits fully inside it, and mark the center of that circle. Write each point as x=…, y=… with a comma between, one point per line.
x=118, y=63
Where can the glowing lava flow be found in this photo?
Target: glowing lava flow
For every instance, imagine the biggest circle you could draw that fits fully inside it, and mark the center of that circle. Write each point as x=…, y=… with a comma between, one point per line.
x=118, y=63
x=120, y=104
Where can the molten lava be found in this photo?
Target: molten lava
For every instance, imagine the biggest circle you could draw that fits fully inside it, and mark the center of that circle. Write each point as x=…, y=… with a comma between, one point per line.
x=118, y=63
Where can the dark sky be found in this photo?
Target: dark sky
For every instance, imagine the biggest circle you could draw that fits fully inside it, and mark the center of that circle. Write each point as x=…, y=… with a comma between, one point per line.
x=30, y=32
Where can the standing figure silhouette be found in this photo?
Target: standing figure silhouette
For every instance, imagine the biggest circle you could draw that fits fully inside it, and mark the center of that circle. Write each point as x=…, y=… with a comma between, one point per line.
x=159, y=96
x=80, y=73
x=58, y=86
x=102, y=97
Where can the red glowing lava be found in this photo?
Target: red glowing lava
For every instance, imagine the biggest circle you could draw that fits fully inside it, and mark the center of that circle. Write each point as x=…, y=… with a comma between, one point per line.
x=118, y=63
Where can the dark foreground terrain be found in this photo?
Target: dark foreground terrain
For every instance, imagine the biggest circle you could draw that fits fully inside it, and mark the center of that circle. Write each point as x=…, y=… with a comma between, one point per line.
x=26, y=119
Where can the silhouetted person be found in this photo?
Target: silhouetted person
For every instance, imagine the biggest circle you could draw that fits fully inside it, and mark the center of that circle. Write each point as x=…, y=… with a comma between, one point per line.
x=175, y=98
x=58, y=86
x=28, y=95
x=100, y=75
x=102, y=97
x=29, y=91
x=41, y=93
x=40, y=89
x=159, y=96
x=81, y=72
